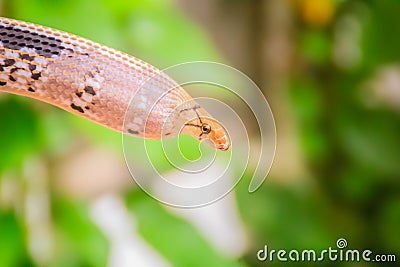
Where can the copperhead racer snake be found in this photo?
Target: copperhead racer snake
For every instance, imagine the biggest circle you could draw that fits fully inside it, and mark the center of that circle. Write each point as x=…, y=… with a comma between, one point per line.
x=98, y=83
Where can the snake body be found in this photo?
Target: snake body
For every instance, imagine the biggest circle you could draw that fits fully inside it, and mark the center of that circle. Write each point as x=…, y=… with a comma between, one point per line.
x=99, y=83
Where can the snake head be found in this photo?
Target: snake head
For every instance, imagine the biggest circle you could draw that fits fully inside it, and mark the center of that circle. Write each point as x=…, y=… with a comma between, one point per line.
x=204, y=127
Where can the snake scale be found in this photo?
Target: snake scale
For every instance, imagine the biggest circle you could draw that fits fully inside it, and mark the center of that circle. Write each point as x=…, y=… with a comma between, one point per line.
x=100, y=84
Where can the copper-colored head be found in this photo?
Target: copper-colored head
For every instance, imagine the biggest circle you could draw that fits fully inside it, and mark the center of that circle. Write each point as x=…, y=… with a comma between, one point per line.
x=208, y=128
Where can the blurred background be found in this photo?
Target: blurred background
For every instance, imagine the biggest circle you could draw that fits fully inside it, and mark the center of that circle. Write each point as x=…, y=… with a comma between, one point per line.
x=330, y=71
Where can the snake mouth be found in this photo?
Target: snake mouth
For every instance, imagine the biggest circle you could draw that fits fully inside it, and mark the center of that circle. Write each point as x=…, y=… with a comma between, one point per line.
x=223, y=147
x=226, y=147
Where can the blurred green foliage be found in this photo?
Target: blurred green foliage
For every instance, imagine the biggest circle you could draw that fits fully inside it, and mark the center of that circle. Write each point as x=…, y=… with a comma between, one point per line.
x=351, y=150
x=20, y=134
x=78, y=241
x=13, y=250
x=174, y=235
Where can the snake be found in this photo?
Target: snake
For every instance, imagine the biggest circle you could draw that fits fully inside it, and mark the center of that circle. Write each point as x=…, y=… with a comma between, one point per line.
x=101, y=84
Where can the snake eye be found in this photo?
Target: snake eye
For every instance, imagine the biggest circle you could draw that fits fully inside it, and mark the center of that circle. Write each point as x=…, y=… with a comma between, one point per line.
x=205, y=128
